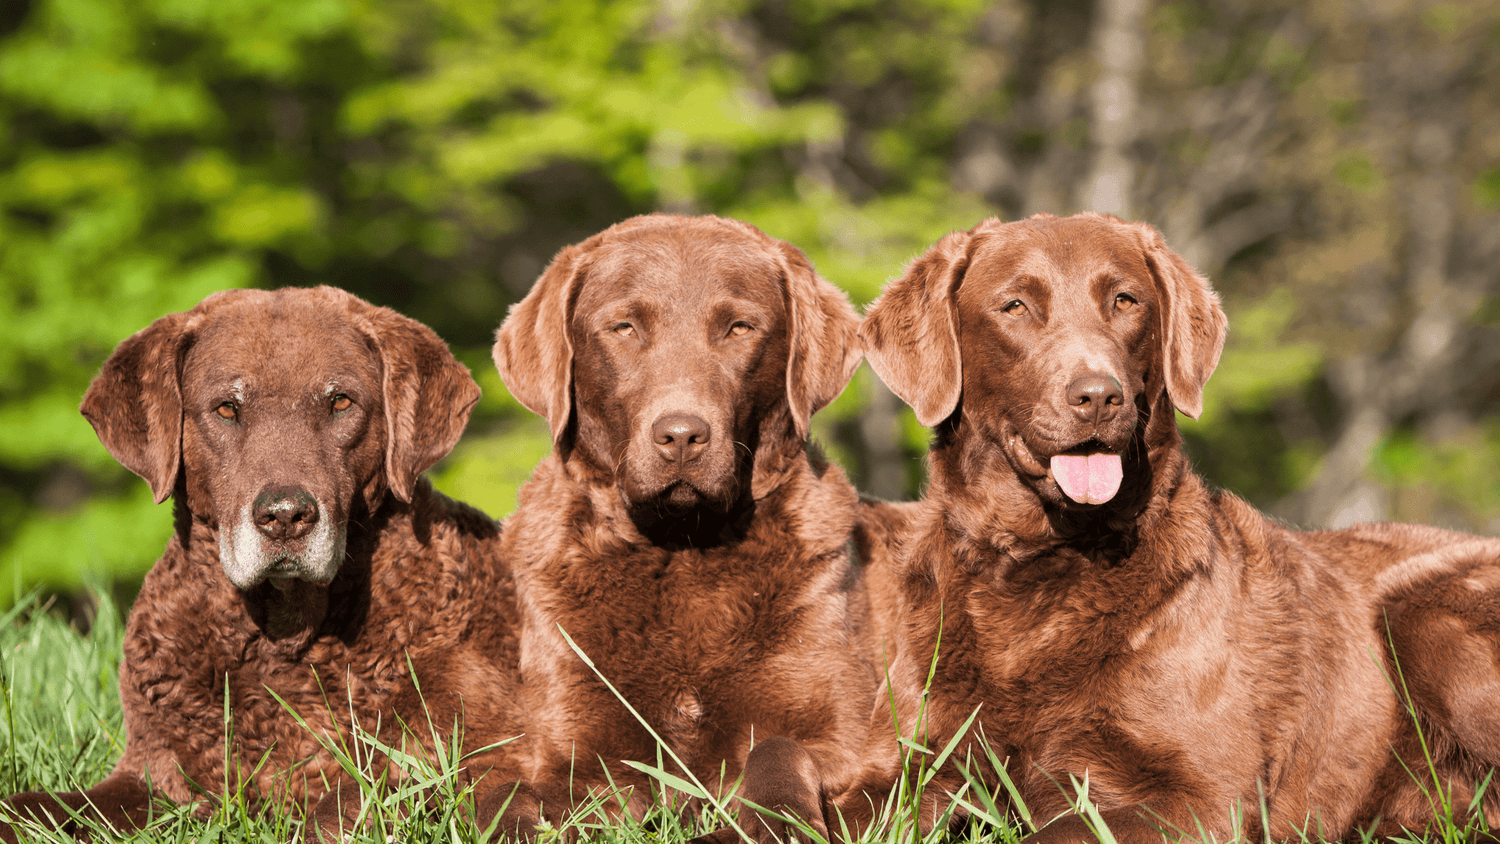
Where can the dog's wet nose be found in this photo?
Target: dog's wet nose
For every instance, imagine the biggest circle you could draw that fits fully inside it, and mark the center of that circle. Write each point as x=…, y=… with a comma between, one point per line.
x=285, y=512
x=680, y=437
x=1096, y=397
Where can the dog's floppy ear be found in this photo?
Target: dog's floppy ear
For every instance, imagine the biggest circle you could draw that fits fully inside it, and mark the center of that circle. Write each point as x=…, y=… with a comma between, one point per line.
x=532, y=349
x=135, y=403
x=1193, y=323
x=824, y=339
x=428, y=394
x=910, y=333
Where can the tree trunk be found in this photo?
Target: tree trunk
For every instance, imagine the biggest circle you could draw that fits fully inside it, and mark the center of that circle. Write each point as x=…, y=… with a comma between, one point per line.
x=1378, y=390
x=1119, y=40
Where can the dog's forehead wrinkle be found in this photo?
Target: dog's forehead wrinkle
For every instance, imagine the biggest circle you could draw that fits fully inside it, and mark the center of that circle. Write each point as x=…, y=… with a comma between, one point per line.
x=281, y=369
x=1032, y=257
x=607, y=299
x=662, y=266
x=328, y=384
x=306, y=333
x=651, y=255
x=733, y=304
x=206, y=374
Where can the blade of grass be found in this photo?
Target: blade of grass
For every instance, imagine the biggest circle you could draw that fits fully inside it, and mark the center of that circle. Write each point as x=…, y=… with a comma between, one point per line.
x=711, y=799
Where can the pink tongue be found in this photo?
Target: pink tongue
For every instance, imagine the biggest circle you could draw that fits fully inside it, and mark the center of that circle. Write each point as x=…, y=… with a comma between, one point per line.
x=1088, y=478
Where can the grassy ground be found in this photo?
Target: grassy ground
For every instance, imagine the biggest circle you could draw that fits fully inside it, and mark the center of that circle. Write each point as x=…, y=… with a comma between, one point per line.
x=61, y=729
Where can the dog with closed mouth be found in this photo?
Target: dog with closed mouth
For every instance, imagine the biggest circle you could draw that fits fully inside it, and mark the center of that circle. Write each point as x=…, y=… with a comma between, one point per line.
x=1209, y=673
x=312, y=569
x=679, y=535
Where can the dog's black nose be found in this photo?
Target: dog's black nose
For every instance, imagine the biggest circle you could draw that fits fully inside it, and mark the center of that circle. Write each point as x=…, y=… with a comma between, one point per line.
x=285, y=512
x=680, y=437
x=1096, y=397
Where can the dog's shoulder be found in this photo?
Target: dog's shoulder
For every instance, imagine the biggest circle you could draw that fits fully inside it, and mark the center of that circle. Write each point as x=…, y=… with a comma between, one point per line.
x=815, y=511
x=1247, y=540
x=557, y=510
x=446, y=534
x=185, y=606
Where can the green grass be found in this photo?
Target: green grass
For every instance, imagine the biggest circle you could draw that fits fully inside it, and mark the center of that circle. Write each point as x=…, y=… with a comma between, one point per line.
x=60, y=720
x=61, y=729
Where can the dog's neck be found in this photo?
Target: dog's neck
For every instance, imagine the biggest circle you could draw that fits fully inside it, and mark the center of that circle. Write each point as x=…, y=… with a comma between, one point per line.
x=288, y=614
x=701, y=527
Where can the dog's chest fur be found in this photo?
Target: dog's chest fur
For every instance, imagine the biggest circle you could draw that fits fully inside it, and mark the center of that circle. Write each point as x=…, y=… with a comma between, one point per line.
x=1022, y=637
x=196, y=647
x=706, y=644
x=1122, y=666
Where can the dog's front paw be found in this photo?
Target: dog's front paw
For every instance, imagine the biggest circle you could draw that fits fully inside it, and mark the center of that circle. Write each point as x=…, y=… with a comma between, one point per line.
x=333, y=818
x=782, y=778
x=513, y=811
x=48, y=810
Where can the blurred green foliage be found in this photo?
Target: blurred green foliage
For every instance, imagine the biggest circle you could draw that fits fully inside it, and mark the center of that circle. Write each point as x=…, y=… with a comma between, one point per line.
x=431, y=155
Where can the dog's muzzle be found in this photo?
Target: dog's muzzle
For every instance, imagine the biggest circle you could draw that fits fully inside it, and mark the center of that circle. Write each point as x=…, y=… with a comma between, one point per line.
x=285, y=533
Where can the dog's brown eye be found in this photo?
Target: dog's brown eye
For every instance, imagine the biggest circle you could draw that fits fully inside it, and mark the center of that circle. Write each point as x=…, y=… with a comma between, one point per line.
x=624, y=329
x=342, y=403
x=740, y=329
x=1124, y=302
x=1015, y=307
x=227, y=410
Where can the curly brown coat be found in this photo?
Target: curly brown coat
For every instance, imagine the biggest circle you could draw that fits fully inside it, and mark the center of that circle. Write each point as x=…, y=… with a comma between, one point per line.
x=312, y=568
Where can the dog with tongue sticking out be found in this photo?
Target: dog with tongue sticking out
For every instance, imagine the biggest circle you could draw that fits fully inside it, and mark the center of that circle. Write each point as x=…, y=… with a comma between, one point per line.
x=1074, y=604
x=1049, y=360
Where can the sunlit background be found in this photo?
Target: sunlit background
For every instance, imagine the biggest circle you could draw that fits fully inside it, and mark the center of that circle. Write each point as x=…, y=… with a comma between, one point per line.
x=1334, y=167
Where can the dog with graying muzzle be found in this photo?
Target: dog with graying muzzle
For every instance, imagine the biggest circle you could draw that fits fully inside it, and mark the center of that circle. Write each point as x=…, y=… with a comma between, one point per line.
x=313, y=572
x=1078, y=607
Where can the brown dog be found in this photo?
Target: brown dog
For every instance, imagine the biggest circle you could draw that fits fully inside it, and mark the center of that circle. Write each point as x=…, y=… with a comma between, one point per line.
x=1210, y=672
x=679, y=534
x=311, y=561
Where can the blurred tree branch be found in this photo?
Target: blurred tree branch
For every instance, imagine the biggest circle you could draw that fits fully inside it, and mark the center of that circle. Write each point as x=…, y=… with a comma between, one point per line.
x=1333, y=167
